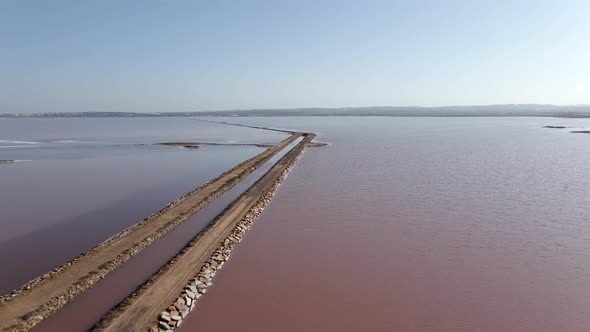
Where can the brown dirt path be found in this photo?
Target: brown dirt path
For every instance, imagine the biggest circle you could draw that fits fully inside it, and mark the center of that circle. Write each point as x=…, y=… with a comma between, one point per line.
x=139, y=311
x=38, y=299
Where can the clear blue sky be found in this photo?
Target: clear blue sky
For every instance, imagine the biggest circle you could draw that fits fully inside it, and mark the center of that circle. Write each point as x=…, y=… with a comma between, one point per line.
x=211, y=55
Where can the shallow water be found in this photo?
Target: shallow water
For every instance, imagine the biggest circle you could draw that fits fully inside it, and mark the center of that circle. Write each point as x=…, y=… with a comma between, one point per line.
x=87, y=309
x=417, y=224
x=76, y=193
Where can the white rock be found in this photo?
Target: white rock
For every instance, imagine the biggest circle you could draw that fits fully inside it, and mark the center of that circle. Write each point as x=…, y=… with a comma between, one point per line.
x=164, y=325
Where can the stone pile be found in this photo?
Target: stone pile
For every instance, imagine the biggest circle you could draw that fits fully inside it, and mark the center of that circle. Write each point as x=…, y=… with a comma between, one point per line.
x=38, y=314
x=173, y=316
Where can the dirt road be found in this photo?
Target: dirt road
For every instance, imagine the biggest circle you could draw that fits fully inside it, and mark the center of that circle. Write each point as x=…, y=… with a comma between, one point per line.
x=38, y=299
x=140, y=311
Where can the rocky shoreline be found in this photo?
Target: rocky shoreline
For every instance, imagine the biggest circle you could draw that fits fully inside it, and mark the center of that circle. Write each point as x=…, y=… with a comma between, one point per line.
x=7, y=162
x=30, y=311
x=140, y=310
x=172, y=317
x=40, y=298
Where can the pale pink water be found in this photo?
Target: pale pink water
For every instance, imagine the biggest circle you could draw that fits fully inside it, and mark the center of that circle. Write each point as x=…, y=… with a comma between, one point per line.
x=417, y=225
x=87, y=309
x=84, y=182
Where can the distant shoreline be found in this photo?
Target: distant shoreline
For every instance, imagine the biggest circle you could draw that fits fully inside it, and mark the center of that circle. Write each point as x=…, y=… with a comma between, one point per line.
x=147, y=115
x=517, y=110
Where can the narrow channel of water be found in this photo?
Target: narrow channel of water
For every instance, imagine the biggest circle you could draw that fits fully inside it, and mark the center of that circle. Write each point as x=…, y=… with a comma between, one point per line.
x=82, y=313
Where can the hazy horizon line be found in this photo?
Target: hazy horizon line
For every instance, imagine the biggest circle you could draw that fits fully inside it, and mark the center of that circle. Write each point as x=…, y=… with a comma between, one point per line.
x=314, y=107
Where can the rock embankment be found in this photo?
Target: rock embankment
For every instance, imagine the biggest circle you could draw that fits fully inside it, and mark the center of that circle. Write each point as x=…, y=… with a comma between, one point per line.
x=163, y=290
x=173, y=316
x=41, y=297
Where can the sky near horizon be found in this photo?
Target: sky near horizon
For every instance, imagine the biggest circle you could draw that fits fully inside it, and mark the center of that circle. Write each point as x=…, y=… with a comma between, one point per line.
x=158, y=56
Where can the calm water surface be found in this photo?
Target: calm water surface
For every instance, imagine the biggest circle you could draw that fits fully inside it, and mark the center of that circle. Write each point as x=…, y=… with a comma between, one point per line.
x=84, y=182
x=87, y=309
x=417, y=224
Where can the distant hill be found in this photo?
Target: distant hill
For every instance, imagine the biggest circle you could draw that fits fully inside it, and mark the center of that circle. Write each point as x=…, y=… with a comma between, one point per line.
x=569, y=111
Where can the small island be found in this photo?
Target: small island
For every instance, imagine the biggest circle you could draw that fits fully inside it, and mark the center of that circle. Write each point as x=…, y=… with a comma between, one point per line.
x=315, y=144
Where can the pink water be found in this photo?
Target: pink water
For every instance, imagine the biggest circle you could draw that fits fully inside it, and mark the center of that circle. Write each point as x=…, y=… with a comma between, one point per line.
x=87, y=309
x=417, y=225
x=84, y=183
